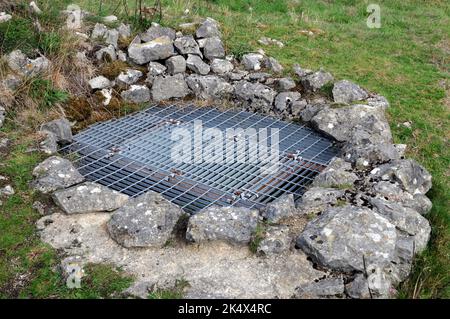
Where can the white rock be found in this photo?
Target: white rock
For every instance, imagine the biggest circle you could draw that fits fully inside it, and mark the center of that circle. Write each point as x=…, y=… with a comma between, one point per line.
x=5, y=17
x=110, y=19
x=34, y=8
x=99, y=83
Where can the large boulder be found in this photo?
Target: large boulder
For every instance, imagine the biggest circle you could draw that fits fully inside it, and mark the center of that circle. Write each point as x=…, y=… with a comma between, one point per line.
x=234, y=225
x=157, y=49
x=412, y=177
x=60, y=128
x=88, y=198
x=338, y=174
x=166, y=87
x=346, y=92
x=209, y=86
x=356, y=124
x=55, y=173
x=255, y=96
x=349, y=238
x=145, y=221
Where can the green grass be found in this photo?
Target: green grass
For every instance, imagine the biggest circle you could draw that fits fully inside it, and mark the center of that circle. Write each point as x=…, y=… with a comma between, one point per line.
x=406, y=60
x=45, y=94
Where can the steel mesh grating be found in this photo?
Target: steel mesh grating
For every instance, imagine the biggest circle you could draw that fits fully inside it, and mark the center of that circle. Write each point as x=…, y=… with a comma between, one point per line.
x=133, y=155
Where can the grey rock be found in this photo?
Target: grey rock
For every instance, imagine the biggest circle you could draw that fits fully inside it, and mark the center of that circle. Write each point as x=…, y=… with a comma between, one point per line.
x=280, y=208
x=405, y=219
x=346, y=92
x=88, y=198
x=231, y=224
x=338, y=174
x=273, y=65
x=187, y=45
x=236, y=75
x=255, y=96
x=49, y=144
x=157, y=31
x=155, y=69
x=213, y=49
x=18, y=62
x=129, y=77
x=341, y=236
x=61, y=128
x=108, y=53
x=99, y=83
x=55, y=173
x=209, y=86
x=285, y=84
x=311, y=109
x=252, y=61
x=318, y=199
x=300, y=72
x=378, y=101
x=166, y=87
x=136, y=94
x=196, y=64
x=99, y=31
x=220, y=66
x=8, y=190
x=146, y=221
x=4, y=17
x=412, y=177
x=315, y=81
x=110, y=19
x=285, y=100
x=209, y=28
x=5, y=143
x=2, y=115
x=158, y=49
x=357, y=124
x=122, y=56
x=368, y=155
x=276, y=241
x=12, y=81
x=176, y=64
x=112, y=38
x=327, y=287
x=124, y=31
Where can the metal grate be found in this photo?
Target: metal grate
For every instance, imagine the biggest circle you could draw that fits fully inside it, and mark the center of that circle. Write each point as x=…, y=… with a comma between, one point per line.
x=133, y=155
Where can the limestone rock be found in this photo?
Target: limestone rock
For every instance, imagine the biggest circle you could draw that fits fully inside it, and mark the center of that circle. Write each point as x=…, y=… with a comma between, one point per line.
x=209, y=28
x=99, y=83
x=255, y=96
x=273, y=65
x=129, y=77
x=408, y=173
x=99, y=31
x=18, y=62
x=285, y=100
x=315, y=81
x=55, y=173
x=106, y=54
x=276, y=241
x=61, y=128
x=112, y=38
x=155, y=68
x=209, y=86
x=346, y=92
x=157, y=31
x=220, y=66
x=285, y=84
x=338, y=174
x=231, y=224
x=146, y=221
x=213, y=49
x=324, y=288
x=157, y=49
x=187, y=45
x=166, y=87
x=136, y=94
x=318, y=199
x=341, y=236
x=176, y=64
x=196, y=64
x=280, y=208
x=252, y=61
x=124, y=31
x=88, y=198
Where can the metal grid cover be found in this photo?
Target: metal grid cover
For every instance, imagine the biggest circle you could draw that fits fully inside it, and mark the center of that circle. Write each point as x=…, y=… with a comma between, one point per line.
x=133, y=155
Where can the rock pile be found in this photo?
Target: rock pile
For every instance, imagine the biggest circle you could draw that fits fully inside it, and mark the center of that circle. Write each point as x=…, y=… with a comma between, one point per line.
x=365, y=209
